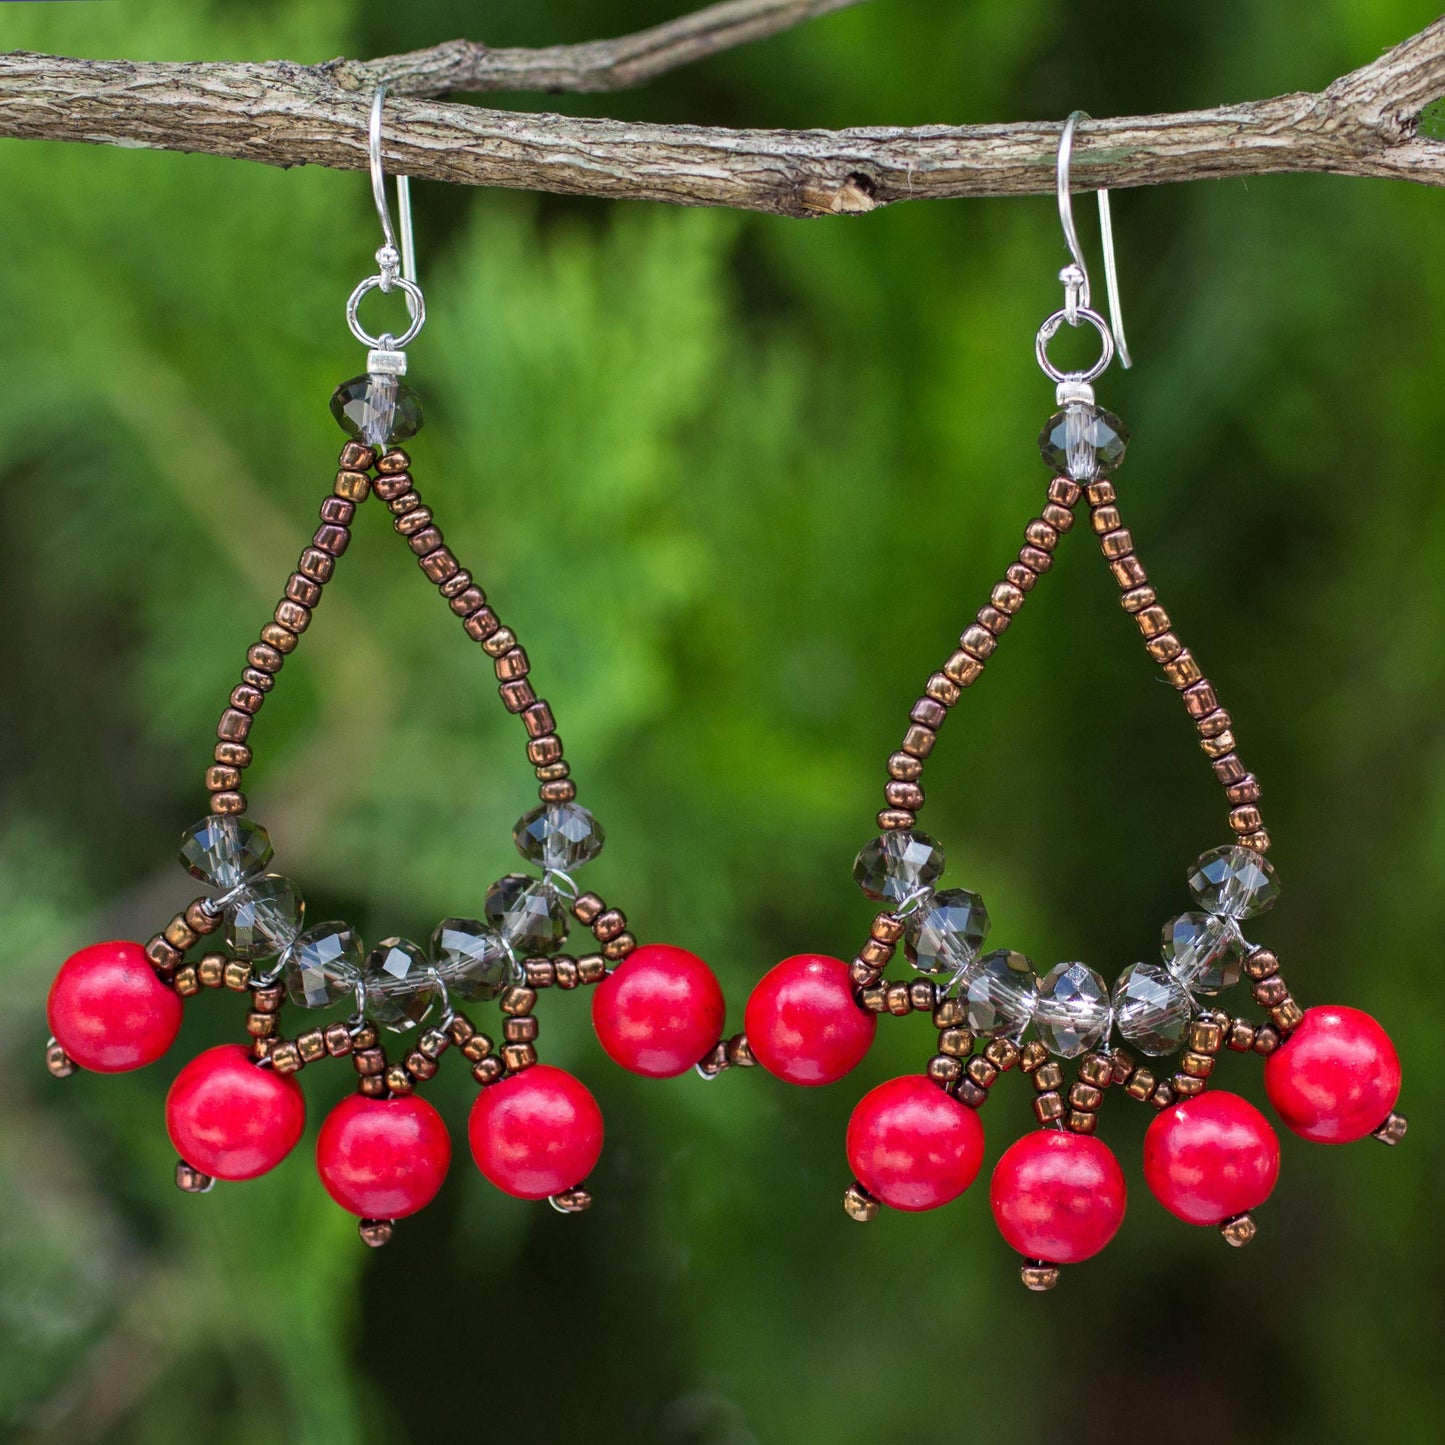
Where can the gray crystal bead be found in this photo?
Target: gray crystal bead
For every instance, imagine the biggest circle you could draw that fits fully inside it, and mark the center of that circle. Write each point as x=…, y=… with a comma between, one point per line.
x=1003, y=992
x=401, y=987
x=951, y=930
x=263, y=917
x=1151, y=1007
x=323, y=965
x=1234, y=881
x=527, y=913
x=224, y=850
x=1203, y=951
x=1083, y=441
x=472, y=959
x=376, y=409
x=897, y=865
x=560, y=836
x=1073, y=1011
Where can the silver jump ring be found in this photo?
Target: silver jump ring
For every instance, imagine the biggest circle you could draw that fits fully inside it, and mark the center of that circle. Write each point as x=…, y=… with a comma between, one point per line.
x=415, y=306
x=1050, y=328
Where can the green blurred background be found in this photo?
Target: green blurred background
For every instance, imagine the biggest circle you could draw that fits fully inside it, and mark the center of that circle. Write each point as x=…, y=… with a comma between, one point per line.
x=738, y=482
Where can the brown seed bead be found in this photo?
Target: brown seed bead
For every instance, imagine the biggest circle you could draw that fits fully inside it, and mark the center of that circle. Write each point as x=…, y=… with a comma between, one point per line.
x=982, y=1072
x=1162, y=1097
x=502, y=640
x=316, y=566
x=950, y=1013
x=1186, y=1086
x=1048, y=1107
x=944, y=1070
x=619, y=947
x=1136, y=599
x=236, y=976
x=1033, y=1056
x=1064, y=491
x=956, y=1043
x=544, y=750
x=903, y=795
x=434, y=1043
x=420, y=1067
x=609, y=924
x=338, y=1040
x=366, y=1037
x=1217, y=747
x=352, y=486
x=921, y=995
x=873, y=998
x=859, y=1204
x=212, y=970
x=1105, y=519
x=1124, y=1066
x=374, y=1233
x=1117, y=544
x=567, y=972
x=1003, y=1054
x=1270, y=991
x=293, y=617
x=539, y=973
x=1245, y=819
x=978, y=642
x=286, y=1057
x=1206, y=1036
x=519, y=1030
x=234, y=725
x=994, y=620
x=1287, y=1015
x=962, y=668
x=1022, y=577
x=413, y=519
x=1140, y=1085
x=1152, y=621
x=1042, y=535
x=1241, y=1036
x=311, y=1045
x=928, y=712
x=221, y=779
x=1258, y=840
x=395, y=460
x=186, y=981
x=1228, y=769
x=1081, y=1121
x=571, y=1201
x=561, y=791
x=895, y=820
x=1164, y=647
x=460, y=1029
x=1007, y=597
x=369, y=1062
x=586, y=908
x=269, y=999
x=179, y=934
x=536, y=715
x=247, y=699
x=1128, y=571
x=164, y=957
x=283, y=639
x=1239, y=1230
x=898, y=1001
x=393, y=488
x=398, y=1081
x=477, y=1048
x=1392, y=1130
x=553, y=772
x=1085, y=1096
x=1099, y=492
x=591, y=968
x=373, y=1086
x=517, y=1001
x=302, y=591
x=876, y=955
x=459, y=582
x=199, y=918
x=191, y=1180
x=357, y=456
x=740, y=1052
x=261, y=1047
x=1061, y=519
x=338, y=511
x=904, y=766
x=425, y=542
x=488, y=1071
x=1097, y=1070
x=1038, y=1276
x=1246, y=790
x=942, y=688
x=969, y=1094
x=1049, y=1076
x=59, y=1064
x=518, y=1057
x=1200, y=699
x=1266, y=1039
x=330, y=539
x=254, y=677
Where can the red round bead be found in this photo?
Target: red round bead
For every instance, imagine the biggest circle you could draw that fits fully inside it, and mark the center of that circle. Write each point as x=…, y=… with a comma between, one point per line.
x=1336, y=1078
x=804, y=1023
x=1058, y=1197
x=659, y=1011
x=1210, y=1158
x=383, y=1158
x=537, y=1133
x=230, y=1118
x=109, y=1011
x=912, y=1145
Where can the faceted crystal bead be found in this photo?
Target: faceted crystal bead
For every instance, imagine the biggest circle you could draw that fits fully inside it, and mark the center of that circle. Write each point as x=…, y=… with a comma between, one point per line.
x=1083, y=441
x=225, y=850
x=376, y=409
x=263, y=917
x=400, y=986
x=1203, y=952
x=1073, y=1012
x=560, y=835
x=896, y=866
x=1234, y=881
x=323, y=965
x=951, y=930
x=527, y=913
x=1151, y=1007
x=473, y=961
x=1002, y=993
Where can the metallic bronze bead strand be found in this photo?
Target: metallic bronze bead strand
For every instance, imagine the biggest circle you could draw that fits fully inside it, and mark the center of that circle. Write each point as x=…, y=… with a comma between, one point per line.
x=1139, y=599
x=1086, y=1094
x=902, y=794
x=279, y=637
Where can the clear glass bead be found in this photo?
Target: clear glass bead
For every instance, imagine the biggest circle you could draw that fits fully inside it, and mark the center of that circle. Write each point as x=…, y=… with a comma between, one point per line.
x=897, y=865
x=1234, y=881
x=1151, y=1007
x=473, y=961
x=951, y=930
x=1203, y=952
x=1083, y=441
x=263, y=917
x=323, y=965
x=527, y=913
x=225, y=850
x=377, y=409
x=401, y=988
x=562, y=836
x=1003, y=992
x=1073, y=1011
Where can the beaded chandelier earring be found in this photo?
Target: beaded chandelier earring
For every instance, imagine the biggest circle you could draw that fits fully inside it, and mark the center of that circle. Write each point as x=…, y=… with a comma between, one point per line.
x=236, y=1111
x=1058, y=1194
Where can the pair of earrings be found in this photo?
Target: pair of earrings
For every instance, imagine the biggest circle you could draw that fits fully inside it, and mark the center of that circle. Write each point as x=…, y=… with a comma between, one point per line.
x=535, y=1131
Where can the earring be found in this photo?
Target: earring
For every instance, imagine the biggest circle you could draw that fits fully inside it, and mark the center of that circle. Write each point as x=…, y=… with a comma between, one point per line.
x=236, y=1111
x=1058, y=1195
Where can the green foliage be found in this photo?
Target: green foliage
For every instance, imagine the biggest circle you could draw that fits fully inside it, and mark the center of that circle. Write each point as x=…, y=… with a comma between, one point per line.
x=738, y=482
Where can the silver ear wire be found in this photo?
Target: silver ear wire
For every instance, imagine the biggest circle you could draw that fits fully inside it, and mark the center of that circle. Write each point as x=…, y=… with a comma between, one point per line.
x=407, y=252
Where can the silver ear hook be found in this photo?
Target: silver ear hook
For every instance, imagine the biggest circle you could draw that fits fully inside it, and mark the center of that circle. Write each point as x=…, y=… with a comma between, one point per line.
x=407, y=254
x=1076, y=277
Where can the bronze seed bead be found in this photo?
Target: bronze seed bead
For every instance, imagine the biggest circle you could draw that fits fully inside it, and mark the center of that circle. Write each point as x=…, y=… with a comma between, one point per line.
x=179, y=934
x=1164, y=648
x=1081, y=1121
x=963, y=669
x=1064, y=491
x=991, y=618
x=400, y=503
x=234, y=755
x=1033, y=1056
x=970, y=1094
x=1105, y=519
x=331, y=539
x=164, y=958
x=1162, y=1097
x=1096, y=1069
x=981, y=1071
x=539, y=973
x=286, y=1057
x=590, y=968
x=956, y=1042
x=1136, y=599
x=944, y=1070
x=978, y=642
x=395, y=460
x=302, y=590
x=552, y=772
x=372, y=1086
x=899, y=1002
x=1061, y=519
x=228, y=804
x=1042, y=534
x=921, y=995
x=1048, y=1107
x=268, y=998
x=1085, y=1096
x=260, y=1025
x=1197, y=1065
x=439, y=565
x=1003, y=1054
x=951, y=1013
x=1007, y=597
x=369, y=1062
x=422, y=1068
x=586, y=907
x=236, y=976
x=357, y=456
x=477, y=1048
x=1218, y=747
x=517, y=696
x=247, y=699
x=293, y=617
x=1245, y=819
x=1021, y=576
x=460, y=1029
x=618, y=948
x=1186, y=1086
x=186, y=981
x=517, y=1001
x=511, y=665
x=1184, y=670
x=338, y=511
x=352, y=486
x=283, y=639
x=211, y=970
x=520, y=1031
x=903, y=795
x=1035, y=559
x=338, y=1040
x=1246, y=790
x=905, y=767
x=1140, y=1084
x=562, y=791
x=254, y=677
x=929, y=713
x=481, y=624
x=1124, y=1066
x=1048, y=1076
x=398, y=1082
x=536, y=718
x=609, y=924
x=311, y=1045
x=316, y=566
x=1128, y=571
x=460, y=581
x=425, y=542
x=875, y=954
x=502, y=640
x=1100, y=492
x=1393, y=1130
x=414, y=520
x=873, y=998
x=544, y=750
x=517, y=1057
x=941, y=688
x=391, y=487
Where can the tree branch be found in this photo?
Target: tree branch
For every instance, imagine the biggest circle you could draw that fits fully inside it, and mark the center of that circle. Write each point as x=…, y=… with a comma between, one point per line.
x=1364, y=124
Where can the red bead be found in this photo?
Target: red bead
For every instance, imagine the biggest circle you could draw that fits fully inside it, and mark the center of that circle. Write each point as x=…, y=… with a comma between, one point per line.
x=912, y=1145
x=1336, y=1078
x=537, y=1133
x=383, y=1158
x=803, y=1022
x=109, y=1011
x=1210, y=1158
x=230, y=1118
x=659, y=1011
x=1058, y=1197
